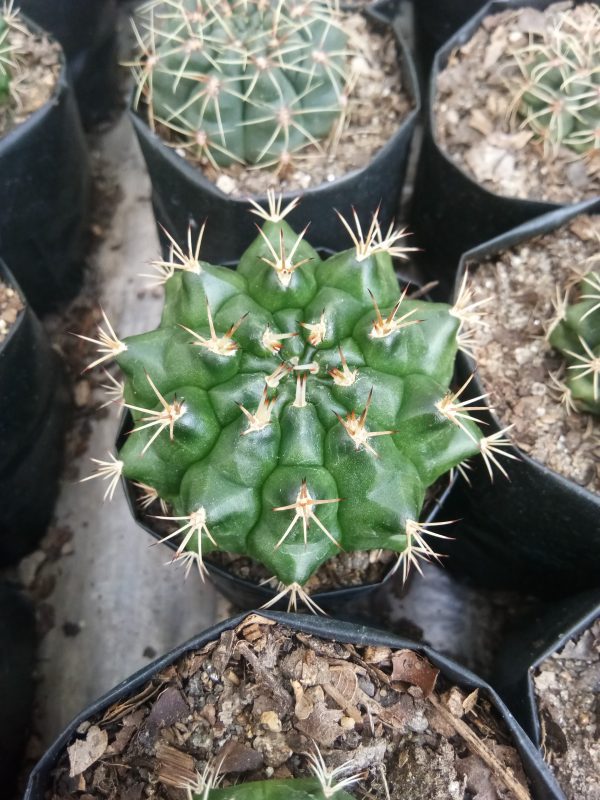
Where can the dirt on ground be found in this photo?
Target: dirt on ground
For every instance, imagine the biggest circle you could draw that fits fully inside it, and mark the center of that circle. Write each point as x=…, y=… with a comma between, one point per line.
x=376, y=107
x=567, y=686
x=515, y=361
x=37, y=64
x=474, y=124
x=10, y=307
x=260, y=698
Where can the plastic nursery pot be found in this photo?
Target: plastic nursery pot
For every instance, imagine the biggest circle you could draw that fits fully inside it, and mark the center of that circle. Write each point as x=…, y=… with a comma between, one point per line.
x=451, y=212
x=538, y=532
x=543, y=785
x=182, y=196
x=44, y=196
x=17, y=661
x=535, y=640
x=435, y=22
x=245, y=594
x=33, y=416
x=87, y=32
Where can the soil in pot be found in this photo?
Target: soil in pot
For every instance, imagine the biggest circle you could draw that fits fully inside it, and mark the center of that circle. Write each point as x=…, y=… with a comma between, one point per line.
x=567, y=687
x=375, y=107
x=515, y=361
x=263, y=695
x=476, y=128
x=34, y=68
x=10, y=307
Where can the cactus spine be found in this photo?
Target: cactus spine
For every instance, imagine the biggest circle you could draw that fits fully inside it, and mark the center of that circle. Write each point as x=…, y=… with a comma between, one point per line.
x=576, y=334
x=246, y=81
x=296, y=407
x=557, y=95
x=8, y=56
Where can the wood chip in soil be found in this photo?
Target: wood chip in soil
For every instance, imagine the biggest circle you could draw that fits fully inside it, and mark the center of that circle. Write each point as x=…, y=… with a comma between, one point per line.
x=472, y=111
x=515, y=360
x=34, y=79
x=10, y=307
x=567, y=686
x=262, y=696
x=377, y=107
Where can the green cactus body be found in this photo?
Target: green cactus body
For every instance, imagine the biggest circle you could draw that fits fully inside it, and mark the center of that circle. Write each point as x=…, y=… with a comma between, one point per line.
x=559, y=96
x=294, y=407
x=6, y=62
x=298, y=789
x=577, y=337
x=246, y=81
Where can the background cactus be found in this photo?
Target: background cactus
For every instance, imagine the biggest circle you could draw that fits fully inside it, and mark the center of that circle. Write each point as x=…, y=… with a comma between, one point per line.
x=248, y=81
x=576, y=334
x=295, y=407
x=558, y=94
x=8, y=64
x=299, y=789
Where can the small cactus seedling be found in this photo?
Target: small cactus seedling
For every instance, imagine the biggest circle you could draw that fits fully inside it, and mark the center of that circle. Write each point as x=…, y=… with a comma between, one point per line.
x=246, y=81
x=576, y=334
x=558, y=95
x=295, y=407
x=8, y=52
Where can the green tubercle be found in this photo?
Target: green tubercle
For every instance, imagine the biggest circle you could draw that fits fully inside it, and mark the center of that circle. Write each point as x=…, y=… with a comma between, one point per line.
x=298, y=789
x=297, y=407
x=576, y=335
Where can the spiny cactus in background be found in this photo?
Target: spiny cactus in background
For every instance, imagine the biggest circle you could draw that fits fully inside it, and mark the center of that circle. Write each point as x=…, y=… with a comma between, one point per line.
x=558, y=95
x=247, y=81
x=296, y=407
x=8, y=56
x=576, y=334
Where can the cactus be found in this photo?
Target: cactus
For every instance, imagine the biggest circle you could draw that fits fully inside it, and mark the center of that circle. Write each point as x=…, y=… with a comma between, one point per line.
x=557, y=94
x=295, y=407
x=299, y=789
x=8, y=64
x=247, y=81
x=576, y=334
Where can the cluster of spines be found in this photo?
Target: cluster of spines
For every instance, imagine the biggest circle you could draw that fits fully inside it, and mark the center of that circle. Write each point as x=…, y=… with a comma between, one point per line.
x=575, y=332
x=557, y=95
x=452, y=405
x=243, y=81
x=9, y=57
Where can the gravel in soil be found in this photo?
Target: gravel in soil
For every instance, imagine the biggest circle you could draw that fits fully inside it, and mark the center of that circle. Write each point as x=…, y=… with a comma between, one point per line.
x=515, y=360
x=33, y=79
x=376, y=107
x=567, y=686
x=473, y=117
x=262, y=696
x=10, y=307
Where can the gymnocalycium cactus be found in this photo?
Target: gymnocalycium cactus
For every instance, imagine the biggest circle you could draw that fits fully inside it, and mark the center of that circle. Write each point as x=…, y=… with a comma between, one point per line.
x=8, y=63
x=295, y=407
x=558, y=94
x=576, y=334
x=247, y=81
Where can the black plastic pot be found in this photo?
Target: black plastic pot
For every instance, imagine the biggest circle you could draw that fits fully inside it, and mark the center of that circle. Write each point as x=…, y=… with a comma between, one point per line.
x=44, y=197
x=537, y=532
x=87, y=32
x=181, y=195
x=435, y=22
x=17, y=661
x=535, y=640
x=451, y=212
x=245, y=594
x=33, y=414
x=543, y=785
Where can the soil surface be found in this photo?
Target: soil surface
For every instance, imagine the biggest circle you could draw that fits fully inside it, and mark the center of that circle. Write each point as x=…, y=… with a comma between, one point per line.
x=473, y=117
x=37, y=67
x=376, y=107
x=263, y=696
x=10, y=306
x=567, y=686
x=515, y=360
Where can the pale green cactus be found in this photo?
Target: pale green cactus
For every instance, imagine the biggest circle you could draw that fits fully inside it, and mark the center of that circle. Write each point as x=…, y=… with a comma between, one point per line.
x=8, y=55
x=558, y=93
x=246, y=81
